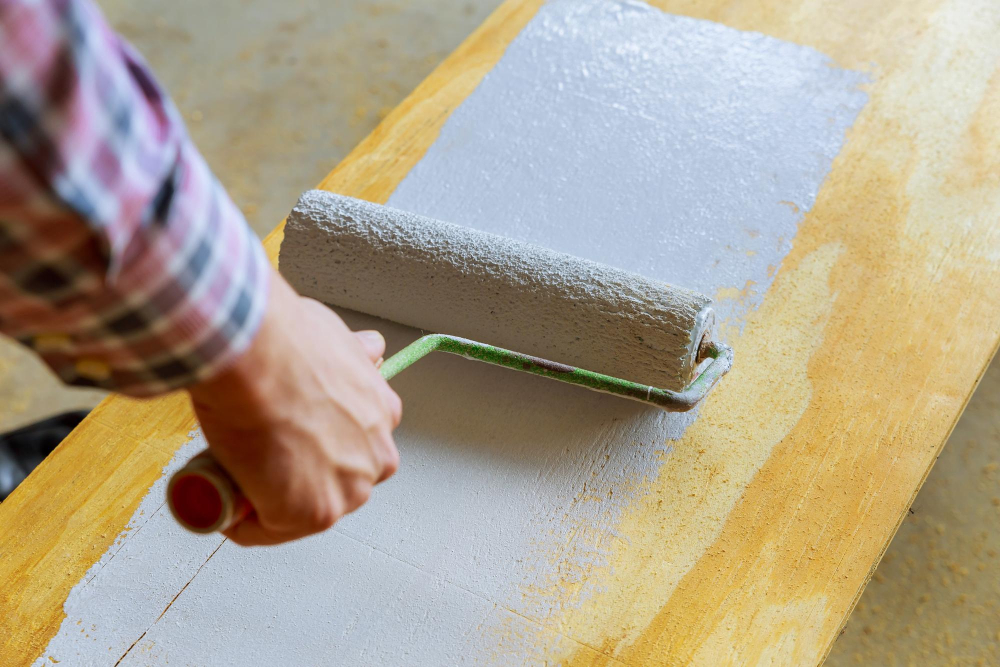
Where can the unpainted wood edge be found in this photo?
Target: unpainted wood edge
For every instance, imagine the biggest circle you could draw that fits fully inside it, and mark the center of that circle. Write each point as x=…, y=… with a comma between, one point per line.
x=913, y=496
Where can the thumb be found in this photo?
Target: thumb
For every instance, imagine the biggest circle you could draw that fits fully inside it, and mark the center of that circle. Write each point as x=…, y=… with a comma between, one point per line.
x=373, y=343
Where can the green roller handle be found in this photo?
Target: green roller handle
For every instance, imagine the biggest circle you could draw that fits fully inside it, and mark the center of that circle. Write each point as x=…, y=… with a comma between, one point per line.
x=204, y=498
x=671, y=401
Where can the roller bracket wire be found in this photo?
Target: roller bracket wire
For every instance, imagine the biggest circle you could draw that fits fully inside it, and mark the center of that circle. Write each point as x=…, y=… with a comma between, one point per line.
x=671, y=401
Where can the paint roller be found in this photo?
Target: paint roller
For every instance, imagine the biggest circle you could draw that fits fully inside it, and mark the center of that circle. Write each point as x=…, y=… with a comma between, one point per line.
x=534, y=309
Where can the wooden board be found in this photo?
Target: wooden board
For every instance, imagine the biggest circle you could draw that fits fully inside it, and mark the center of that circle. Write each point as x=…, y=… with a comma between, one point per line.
x=799, y=469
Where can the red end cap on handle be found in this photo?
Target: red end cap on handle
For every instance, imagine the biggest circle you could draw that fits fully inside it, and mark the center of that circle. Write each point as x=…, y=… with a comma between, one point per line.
x=204, y=498
x=196, y=503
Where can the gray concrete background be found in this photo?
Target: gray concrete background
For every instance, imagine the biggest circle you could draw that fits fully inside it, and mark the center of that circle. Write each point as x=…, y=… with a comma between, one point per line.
x=276, y=93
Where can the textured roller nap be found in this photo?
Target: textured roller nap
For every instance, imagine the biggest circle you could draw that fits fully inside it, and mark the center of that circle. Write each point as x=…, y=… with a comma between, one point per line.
x=445, y=278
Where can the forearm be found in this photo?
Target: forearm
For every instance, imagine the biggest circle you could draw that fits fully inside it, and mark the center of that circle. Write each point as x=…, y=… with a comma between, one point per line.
x=123, y=262
x=126, y=266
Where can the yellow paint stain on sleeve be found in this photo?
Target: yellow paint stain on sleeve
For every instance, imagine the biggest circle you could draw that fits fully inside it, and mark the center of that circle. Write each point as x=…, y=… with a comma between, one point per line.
x=683, y=511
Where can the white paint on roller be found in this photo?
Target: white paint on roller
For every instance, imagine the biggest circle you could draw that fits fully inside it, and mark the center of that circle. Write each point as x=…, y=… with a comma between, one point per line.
x=665, y=146
x=446, y=278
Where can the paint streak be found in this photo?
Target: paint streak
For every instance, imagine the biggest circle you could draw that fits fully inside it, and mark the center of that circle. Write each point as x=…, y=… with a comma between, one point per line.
x=600, y=133
x=681, y=515
x=901, y=222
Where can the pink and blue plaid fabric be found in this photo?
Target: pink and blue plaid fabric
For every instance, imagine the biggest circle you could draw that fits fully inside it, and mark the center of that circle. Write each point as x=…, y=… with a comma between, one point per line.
x=123, y=262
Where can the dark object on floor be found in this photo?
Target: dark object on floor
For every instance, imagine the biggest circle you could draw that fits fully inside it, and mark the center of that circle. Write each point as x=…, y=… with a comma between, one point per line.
x=23, y=449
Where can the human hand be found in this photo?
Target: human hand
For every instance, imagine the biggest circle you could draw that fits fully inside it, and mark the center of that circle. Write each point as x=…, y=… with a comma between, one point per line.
x=302, y=421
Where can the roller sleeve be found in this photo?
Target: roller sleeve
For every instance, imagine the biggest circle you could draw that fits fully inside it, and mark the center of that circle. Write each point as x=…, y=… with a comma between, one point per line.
x=445, y=278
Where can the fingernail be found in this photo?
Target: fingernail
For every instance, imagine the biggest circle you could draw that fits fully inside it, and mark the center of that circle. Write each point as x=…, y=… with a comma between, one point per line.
x=378, y=364
x=372, y=336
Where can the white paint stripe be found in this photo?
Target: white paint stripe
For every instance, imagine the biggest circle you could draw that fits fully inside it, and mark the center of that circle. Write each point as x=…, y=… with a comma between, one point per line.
x=663, y=145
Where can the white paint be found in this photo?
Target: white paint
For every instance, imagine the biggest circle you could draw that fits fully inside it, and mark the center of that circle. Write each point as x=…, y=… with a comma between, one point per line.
x=446, y=278
x=662, y=145
x=110, y=608
x=667, y=146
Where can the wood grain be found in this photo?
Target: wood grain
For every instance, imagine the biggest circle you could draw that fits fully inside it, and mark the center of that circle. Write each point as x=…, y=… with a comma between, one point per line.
x=784, y=494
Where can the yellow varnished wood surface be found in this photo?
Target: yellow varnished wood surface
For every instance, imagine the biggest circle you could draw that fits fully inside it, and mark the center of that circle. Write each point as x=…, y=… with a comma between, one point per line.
x=760, y=534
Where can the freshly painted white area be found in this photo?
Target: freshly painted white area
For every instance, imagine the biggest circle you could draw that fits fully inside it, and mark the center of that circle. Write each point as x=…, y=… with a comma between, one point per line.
x=141, y=572
x=668, y=146
x=679, y=149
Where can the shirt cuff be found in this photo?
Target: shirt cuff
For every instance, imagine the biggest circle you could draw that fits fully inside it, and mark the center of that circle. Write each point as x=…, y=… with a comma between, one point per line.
x=182, y=302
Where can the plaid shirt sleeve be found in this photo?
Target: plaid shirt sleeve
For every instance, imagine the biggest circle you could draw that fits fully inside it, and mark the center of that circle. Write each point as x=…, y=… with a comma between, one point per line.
x=123, y=262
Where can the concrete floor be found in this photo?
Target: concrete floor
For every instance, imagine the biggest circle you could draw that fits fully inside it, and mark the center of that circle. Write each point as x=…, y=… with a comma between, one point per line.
x=276, y=93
